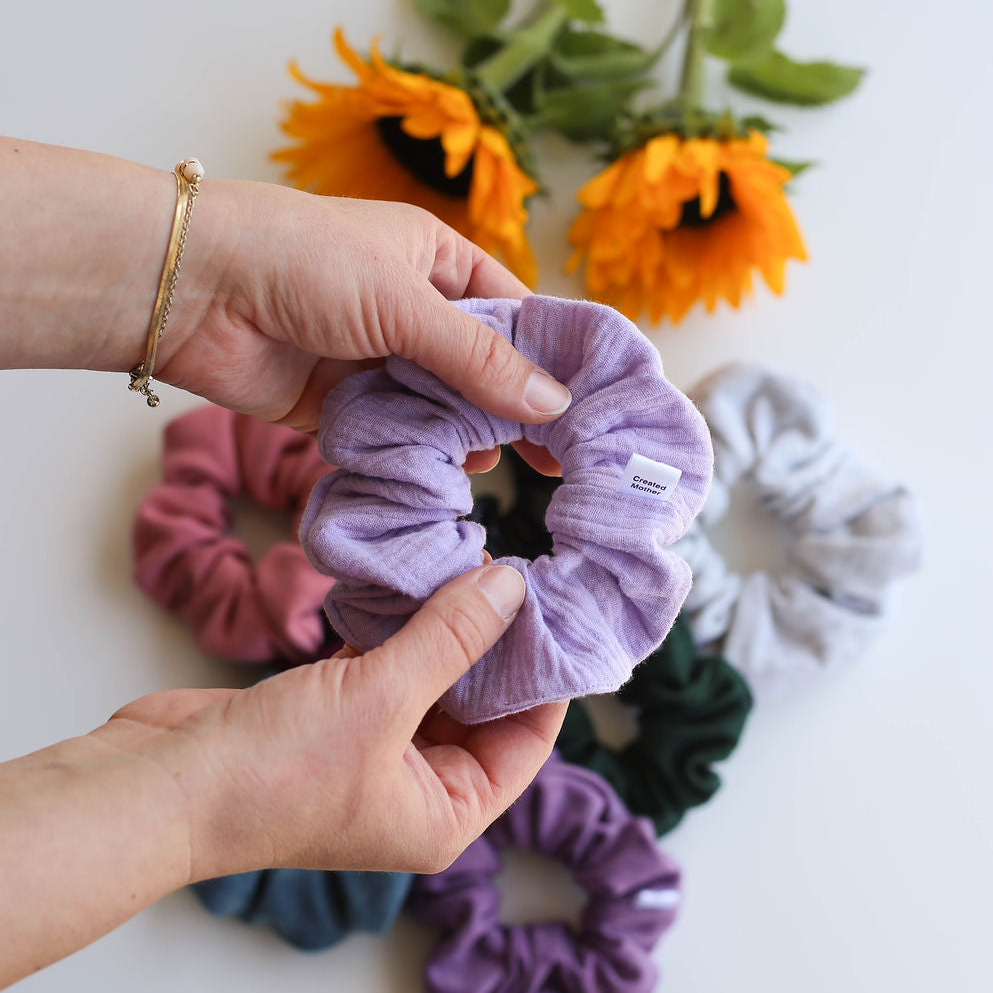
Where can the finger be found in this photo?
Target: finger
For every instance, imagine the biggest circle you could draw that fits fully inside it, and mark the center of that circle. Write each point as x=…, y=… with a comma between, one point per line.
x=305, y=414
x=459, y=268
x=487, y=766
x=471, y=357
x=491, y=280
x=440, y=728
x=450, y=632
x=481, y=461
x=538, y=457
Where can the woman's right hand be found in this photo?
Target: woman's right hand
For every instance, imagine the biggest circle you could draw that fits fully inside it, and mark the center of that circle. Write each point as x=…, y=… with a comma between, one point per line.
x=348, y=763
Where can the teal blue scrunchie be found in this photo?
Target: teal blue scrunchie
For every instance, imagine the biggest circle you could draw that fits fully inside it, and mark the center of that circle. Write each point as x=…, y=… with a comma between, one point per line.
x=308, y=908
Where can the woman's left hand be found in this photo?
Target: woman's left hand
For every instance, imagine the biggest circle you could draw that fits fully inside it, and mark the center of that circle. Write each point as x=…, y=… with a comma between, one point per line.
x=288, y=293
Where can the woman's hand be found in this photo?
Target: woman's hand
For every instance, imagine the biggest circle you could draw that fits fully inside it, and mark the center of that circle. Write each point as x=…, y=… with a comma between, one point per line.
x=345, y=763
x=348, y=763
x=299, y=291
x=281, y=293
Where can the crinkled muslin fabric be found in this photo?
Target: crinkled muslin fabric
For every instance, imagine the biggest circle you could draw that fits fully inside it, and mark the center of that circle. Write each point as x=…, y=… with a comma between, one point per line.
x=387, y=524
x=691, y=706
x=572, y=815
x=186, y=561
x=308, y=908
x=691, y=712
x=851, y=534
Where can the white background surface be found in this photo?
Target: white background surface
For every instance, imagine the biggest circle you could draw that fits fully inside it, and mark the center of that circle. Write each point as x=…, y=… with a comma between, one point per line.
x=851, y=845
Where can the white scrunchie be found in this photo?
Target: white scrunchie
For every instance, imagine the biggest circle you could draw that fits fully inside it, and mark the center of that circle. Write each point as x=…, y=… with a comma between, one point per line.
x=852, y=534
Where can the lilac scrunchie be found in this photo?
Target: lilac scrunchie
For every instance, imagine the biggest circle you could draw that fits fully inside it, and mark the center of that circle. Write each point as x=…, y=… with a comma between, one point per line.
x=386, y=525
x=186, y=561
x=570, y=814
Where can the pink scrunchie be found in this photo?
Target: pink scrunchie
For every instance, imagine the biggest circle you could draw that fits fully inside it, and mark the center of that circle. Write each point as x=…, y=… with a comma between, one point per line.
x=187, y=562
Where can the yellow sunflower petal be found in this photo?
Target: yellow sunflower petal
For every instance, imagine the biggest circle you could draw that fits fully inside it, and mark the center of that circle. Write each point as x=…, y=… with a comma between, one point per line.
x=773, y=271
x=424, y=122
x=348, y=55
x=659, y=153
x=337, y=147
x=460, y=139
x=599, y=191
x=644, y=248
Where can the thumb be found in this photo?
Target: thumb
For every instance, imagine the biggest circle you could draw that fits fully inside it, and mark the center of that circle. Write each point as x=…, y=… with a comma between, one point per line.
x=473, y=359
x=453, y=630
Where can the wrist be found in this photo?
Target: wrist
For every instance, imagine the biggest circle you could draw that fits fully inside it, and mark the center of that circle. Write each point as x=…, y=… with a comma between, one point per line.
x=90, y=834
x=205, y=786
x=83, y=243
x=203, y=299
x=143, y=783
x=183, y=780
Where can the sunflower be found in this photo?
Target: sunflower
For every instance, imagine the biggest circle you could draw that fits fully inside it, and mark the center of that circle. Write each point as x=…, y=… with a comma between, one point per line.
x=402, y=135
x=680, y=220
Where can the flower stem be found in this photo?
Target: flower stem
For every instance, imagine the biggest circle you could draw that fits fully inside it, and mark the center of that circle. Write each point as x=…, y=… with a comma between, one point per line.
x=691, y=80
x=525, y=47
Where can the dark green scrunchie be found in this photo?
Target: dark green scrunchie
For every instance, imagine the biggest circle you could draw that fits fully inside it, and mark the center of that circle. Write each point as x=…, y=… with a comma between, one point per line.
x=691, y=712
x=691, y=709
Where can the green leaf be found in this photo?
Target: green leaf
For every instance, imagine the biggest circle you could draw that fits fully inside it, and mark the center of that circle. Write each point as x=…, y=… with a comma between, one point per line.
x=794, y=166
x=584, y=113
x=471, y=18
x=777, y=77
x=583, y=10
x=744, y=29
x=479, y=49
x=758, y=123
x=594, y=55
x=526, y=93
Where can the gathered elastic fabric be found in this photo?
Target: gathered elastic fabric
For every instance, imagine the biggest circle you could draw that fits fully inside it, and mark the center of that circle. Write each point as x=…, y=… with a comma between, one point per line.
x=850, y=534
x=186, y=560
x=308, y=908
x=389, y=524
x=573, y=816
x=691, y=707
x=691, y=712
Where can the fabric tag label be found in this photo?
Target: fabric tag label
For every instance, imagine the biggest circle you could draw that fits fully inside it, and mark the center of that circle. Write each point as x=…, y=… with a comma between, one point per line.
x=657, y=899
x=647, y=478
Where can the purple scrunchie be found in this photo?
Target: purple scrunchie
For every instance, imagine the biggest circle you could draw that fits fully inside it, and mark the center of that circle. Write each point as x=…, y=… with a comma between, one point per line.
x=386, y=526
x=569, y=814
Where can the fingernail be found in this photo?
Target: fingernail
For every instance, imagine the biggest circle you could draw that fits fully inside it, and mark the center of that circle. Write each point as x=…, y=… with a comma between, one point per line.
x=503, y=586
x=545, y=395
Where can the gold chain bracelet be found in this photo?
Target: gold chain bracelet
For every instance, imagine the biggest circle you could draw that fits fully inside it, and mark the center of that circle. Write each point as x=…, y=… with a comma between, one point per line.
x=189, y=172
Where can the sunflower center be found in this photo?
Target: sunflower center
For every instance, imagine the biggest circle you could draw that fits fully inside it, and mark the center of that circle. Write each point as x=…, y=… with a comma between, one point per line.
x=691, y=216
x=424, y=157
